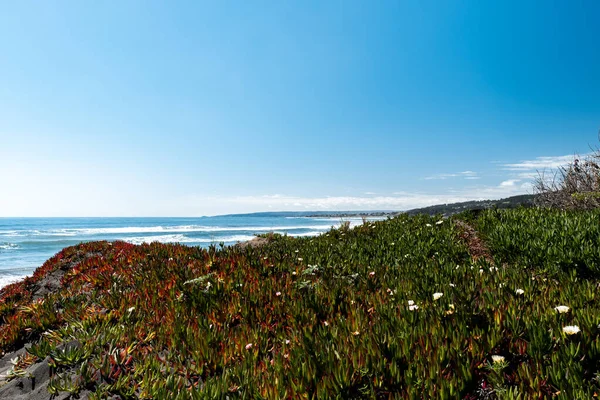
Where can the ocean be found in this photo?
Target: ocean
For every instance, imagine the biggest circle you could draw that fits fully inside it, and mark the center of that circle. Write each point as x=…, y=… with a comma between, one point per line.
x=26, y=243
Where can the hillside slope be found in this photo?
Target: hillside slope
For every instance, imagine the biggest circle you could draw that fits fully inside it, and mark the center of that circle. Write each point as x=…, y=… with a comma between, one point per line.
x=402, y=308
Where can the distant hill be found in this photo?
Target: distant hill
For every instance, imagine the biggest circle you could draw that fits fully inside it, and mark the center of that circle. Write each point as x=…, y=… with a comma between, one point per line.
x=525, y=200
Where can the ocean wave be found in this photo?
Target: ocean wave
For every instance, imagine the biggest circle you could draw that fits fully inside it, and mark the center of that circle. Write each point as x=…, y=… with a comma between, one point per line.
x=8, y=279
x=304, y=234
x=184, y=239
x=170, y=229
x=11, y=233
x=8, y=246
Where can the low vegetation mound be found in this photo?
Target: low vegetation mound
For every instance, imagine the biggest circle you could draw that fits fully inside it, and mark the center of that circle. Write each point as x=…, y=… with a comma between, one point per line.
x=575, y=186
x=390, y=309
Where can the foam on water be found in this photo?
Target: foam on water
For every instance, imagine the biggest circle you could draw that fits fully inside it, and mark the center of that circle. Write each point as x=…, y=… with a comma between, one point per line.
x=184, y=239
x=8, y=279
x=8, y=246
x=161, y=229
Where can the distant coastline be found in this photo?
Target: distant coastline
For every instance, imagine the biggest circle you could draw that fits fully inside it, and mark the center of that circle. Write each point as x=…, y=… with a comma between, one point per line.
x=525, y=200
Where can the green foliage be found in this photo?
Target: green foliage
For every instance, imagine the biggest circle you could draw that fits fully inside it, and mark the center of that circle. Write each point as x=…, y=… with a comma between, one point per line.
x=545, y=240
x=348, y=314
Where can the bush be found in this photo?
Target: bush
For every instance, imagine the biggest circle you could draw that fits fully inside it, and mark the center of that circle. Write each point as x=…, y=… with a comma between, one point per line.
x=575, y=186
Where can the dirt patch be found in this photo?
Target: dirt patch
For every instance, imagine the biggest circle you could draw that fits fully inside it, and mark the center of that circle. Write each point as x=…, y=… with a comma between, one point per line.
x=477, y=248
x=50, y=283
x=256, y=242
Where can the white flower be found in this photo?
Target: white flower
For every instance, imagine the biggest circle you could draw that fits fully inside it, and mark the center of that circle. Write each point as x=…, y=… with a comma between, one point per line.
x=497, y=359
x=428, y=225
x=296, y=251
x=571, y=329
x=480, y=271
x=562, y=309
x=356, y=333
x=437, y=295
x=410, y=302
x=278, y=294
x=393, y=243
x=372, y=273
x=130, y=309
x=452, y=285
x=441, y=221
x=519, y=291
x=325, y=323
x=287, y=341
x=248, y=346
x=294, y=273
x=300, y=259
x=413, y=307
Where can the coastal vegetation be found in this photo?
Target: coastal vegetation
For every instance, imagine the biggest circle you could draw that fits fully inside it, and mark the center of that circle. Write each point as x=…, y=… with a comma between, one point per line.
x=499, y=304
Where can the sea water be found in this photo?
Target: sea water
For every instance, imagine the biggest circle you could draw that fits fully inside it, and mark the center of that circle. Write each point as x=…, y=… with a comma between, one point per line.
x=26, y=243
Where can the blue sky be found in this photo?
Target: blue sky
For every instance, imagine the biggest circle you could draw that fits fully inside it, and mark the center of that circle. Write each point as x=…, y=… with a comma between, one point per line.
x=201, y=108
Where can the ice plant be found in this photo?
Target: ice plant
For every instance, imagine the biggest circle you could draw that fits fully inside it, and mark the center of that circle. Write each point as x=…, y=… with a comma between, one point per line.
x=562, y=309
x=571, y=329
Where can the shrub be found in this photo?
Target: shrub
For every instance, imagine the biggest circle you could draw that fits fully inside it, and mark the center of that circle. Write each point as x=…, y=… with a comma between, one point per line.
x=574, y=186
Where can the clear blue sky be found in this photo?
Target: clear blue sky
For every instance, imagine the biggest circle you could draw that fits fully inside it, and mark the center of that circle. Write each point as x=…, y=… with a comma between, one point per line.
x=142, y=108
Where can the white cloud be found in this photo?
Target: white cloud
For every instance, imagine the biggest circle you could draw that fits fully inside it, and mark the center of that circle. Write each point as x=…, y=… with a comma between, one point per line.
x=440, y=176
x=540, y=163
x=528, y=175
x=214, y=205
x=464, y=174
x=509, y=183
